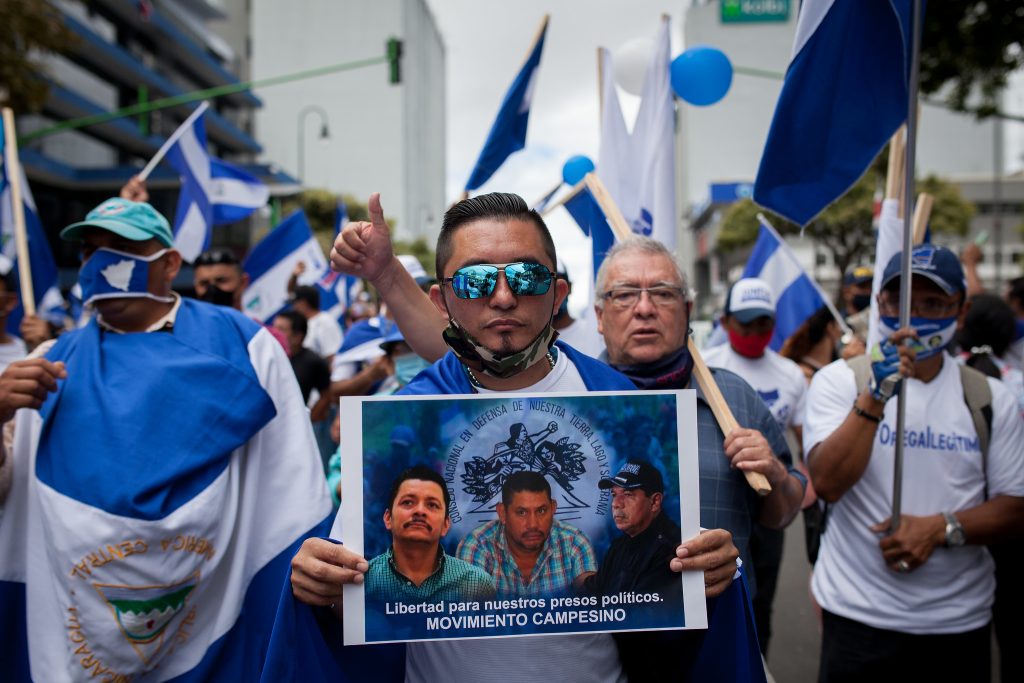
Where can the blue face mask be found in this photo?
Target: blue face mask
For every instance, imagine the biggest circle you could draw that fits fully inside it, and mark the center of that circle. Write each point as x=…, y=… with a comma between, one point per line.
x=112, y=274
x=408, y=366
x=933, y=334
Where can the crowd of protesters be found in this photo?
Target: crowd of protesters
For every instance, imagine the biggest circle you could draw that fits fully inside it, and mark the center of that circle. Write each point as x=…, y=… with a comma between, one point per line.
x=893, y=600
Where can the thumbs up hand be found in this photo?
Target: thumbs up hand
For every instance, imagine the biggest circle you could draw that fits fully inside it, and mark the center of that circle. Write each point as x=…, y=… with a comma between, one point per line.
x=363, y=248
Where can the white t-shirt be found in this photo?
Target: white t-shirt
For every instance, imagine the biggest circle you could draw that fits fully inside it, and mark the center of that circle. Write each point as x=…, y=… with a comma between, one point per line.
x=583, y=336
x=777, y=380
x=11, y=351
x=942, y=472
x=583, y=658
x=323, y=334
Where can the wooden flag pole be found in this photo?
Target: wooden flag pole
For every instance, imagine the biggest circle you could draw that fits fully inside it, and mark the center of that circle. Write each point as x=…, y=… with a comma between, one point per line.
x=28, y=299
x=894, y=172
x=719, y=408
x=922, y=212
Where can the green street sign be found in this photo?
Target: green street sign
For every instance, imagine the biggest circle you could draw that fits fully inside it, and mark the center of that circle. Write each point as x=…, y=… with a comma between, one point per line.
x=749, y=11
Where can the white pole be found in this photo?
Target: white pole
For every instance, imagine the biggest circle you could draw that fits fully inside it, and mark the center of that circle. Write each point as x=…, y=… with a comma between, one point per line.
x=162, y=152
x=28, y=299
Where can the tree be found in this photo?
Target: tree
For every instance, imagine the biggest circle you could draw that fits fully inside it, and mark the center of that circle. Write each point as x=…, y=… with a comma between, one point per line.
x=845, y=227
x=32, y=30
x=974, y=45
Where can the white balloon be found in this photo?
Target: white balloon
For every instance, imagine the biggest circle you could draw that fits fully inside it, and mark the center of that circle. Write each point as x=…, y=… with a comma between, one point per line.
x=630, y=63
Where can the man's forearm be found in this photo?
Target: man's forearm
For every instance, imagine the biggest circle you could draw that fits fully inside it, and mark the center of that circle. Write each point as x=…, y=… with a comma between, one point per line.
x=994, y=521
x=412, y=310
x=838, y=462
x=781, y=505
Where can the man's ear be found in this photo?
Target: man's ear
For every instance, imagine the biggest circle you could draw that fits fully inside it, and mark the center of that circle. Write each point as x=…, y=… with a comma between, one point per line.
x=500, y=507
x=447, y=526
x=387, y=518
x=437, y=299
x=561, y=291
x=173, y=266
x=656, y=500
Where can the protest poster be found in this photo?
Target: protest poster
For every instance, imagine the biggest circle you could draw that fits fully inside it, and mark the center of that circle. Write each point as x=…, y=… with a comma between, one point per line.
x=475, y=444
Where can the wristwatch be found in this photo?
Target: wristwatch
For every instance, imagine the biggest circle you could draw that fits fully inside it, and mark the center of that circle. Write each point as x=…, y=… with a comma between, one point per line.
x=954, y=532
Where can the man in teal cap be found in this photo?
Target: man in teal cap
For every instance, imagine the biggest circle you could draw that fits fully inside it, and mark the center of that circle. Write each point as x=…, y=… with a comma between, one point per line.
x=163, y=474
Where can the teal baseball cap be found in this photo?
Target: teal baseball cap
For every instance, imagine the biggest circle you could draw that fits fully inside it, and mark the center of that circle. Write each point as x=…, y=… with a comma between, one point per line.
x=136, y=221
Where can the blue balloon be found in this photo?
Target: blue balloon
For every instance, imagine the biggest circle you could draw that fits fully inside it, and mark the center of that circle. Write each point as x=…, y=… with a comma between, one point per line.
x=575, y=168
x=701, y=75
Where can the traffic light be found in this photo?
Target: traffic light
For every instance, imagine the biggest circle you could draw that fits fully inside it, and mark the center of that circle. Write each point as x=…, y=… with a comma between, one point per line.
x=394, y=60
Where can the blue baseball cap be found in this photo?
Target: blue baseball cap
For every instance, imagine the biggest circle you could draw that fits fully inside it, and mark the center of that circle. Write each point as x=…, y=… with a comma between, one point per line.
x=136, y=221
x=938, y=264
x=392, y=337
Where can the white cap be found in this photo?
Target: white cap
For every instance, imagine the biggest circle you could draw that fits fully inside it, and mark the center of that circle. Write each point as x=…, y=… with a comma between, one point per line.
x=749, y=299
x=414, y=268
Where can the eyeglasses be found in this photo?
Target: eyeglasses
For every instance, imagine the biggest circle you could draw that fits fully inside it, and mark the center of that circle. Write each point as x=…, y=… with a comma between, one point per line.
x=628, y=297
x=524, y=279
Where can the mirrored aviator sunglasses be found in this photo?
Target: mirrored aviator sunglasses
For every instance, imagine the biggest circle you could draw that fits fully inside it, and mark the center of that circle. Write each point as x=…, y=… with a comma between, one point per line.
x=524, y=279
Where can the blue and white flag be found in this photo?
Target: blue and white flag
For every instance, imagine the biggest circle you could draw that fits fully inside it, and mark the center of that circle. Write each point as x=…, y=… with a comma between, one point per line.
x=49, y=302
x=844, y=96
x=797, y=296
x=587, y=213
x=270, y=264
x=212, y=191
x=508, y=134
x=162, y=557
x=337, y=291
x=638, y=168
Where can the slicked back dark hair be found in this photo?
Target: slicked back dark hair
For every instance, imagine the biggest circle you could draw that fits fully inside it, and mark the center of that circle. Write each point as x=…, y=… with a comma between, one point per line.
x=423, y=473
x=534, y=482
x=500, y=206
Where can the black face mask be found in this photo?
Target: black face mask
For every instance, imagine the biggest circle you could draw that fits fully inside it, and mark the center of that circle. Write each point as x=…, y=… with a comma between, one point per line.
x=860, y=302
x=217, y=296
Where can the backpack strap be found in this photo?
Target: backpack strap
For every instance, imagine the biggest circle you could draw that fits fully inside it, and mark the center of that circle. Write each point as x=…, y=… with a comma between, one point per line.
x=978, y=397
x=861, y=366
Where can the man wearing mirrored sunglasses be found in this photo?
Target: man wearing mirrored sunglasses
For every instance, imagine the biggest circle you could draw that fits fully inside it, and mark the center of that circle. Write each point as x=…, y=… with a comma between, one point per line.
x=495, y=261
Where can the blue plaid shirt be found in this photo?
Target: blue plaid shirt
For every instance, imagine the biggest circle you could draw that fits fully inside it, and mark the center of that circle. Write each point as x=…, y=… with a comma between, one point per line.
x=726, y=501
x=453, y=580
x=566, y=554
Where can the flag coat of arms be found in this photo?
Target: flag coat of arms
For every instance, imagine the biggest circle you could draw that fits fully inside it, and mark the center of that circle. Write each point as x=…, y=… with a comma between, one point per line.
x=157, y=499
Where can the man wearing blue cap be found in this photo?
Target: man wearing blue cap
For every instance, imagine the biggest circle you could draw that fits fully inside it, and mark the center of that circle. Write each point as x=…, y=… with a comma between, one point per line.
x=915, y=601
x=138, y=528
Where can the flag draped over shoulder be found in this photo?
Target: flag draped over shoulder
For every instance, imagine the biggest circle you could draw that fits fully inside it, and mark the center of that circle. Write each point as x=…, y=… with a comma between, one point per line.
x=638, y=168
x=163, y=559
x=212, y=191
x=844, y=96
x=48, y=299
x=796, y=296
x=270, y=264
x=508, y=133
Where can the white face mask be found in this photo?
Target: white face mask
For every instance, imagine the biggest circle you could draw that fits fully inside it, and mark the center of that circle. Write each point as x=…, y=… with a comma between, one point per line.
x=113, y=274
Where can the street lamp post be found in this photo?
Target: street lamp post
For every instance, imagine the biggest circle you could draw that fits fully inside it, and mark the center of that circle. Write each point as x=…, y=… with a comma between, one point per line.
x=325, y=134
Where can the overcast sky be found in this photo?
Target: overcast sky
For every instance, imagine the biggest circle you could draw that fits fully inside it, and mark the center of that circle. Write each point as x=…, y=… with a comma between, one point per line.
x=486, y=43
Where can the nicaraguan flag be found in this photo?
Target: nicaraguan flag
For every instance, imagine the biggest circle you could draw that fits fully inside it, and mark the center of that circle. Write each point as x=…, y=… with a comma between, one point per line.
x=638, y=168
x=796, y=294
x=159, y=556
x=49, y=302
x=587, y=213
x=212, y=191
x=508, y=134
x=270, y=264
x=844, y=96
